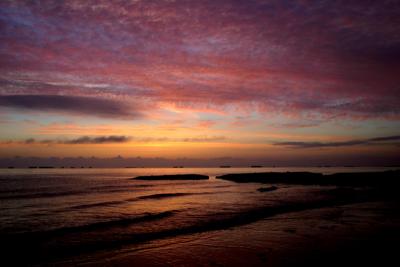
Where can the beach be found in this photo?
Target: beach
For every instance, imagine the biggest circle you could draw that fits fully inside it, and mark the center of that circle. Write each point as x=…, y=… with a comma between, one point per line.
x=340, y=236
x=106, y=217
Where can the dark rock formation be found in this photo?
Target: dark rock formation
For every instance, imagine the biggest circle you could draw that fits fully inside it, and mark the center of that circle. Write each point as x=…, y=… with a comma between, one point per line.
x=173, y=177
x=267, y=189
x=375, y=179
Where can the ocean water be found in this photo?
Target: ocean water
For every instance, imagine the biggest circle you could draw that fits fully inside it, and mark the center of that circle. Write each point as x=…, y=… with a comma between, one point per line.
x=49, y=215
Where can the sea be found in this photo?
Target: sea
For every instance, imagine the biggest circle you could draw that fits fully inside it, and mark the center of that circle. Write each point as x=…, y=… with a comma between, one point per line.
x=106, y=217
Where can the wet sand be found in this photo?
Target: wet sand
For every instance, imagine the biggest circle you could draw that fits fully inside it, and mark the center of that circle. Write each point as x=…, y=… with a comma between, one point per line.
x=357, y=234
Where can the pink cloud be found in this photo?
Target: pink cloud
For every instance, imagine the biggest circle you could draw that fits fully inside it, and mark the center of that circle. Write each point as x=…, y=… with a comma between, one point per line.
x=296, y=59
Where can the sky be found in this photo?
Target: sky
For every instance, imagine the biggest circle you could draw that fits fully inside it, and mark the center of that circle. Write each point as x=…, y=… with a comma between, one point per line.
x=254, y=79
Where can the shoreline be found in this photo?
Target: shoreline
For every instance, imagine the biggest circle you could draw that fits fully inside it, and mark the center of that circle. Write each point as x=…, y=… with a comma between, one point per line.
x=328, y=236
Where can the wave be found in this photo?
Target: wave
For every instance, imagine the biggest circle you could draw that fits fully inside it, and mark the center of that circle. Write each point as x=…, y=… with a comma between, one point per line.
x=116, y=239
x=170, y=195
x=118, y=202
x=166, y=195
x=216, y=186
x=101, y=189
x=41, y=195
x=97, y=204
x=124, y=186
x=145, y=197
x=106, y=225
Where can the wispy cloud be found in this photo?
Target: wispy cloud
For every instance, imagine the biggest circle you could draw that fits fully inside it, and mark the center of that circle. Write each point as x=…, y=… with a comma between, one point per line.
x=371, y=141
x=204, y=139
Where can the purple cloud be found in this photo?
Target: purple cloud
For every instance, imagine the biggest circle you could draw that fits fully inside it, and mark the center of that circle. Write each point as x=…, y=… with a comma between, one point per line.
x=321, y=57
x=70, y=104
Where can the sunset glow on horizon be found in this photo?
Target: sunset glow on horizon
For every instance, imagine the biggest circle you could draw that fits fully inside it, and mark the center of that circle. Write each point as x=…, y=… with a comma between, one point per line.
x=201, y=79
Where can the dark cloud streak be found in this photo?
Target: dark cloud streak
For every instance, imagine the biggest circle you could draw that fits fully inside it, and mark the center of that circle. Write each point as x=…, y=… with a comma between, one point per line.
x=371, y=141
x=99, y=140
x=116, y=139
x=79, y=105
x=80, y=141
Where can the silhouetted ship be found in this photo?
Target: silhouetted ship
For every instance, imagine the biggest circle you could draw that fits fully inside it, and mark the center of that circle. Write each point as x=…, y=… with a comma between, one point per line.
x=256, y=166
x=225, y=166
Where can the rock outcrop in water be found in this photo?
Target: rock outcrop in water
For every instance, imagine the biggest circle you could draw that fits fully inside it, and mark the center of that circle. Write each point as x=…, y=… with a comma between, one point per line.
x=267, y=189
x=173, y=177
x=273, y=177
x=375, y=179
